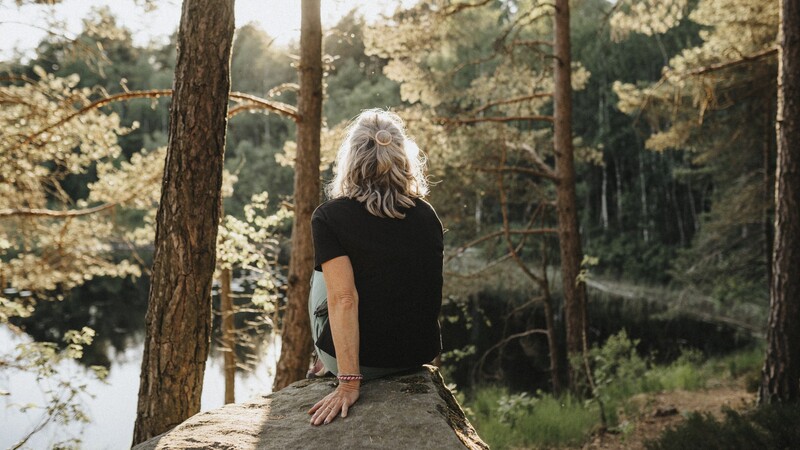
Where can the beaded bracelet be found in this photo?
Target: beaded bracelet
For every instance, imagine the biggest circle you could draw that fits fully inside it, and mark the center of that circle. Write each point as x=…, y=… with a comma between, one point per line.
x=350, y=377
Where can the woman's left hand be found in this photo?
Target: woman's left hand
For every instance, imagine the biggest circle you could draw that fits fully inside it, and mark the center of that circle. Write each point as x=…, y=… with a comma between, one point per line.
x=340, y=400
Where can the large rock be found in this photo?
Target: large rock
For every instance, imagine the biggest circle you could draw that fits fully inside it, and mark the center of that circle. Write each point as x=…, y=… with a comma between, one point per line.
x=407, y=411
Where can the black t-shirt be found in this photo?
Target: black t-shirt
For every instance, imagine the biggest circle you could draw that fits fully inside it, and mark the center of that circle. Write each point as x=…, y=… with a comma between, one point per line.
x=397, y=264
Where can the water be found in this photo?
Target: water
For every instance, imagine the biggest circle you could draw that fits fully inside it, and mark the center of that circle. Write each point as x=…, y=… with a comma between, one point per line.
x=115, y=309
x=113, y=408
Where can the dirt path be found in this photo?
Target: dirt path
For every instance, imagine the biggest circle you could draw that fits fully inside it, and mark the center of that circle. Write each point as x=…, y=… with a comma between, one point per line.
x=661, y=410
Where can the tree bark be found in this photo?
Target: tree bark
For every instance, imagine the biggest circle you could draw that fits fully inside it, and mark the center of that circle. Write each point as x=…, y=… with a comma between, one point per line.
x=296, y=333
x=228, y=335
x=604, y=199
x=781, y=373
x=178, y=321
x=767, y=224
x=566, y=204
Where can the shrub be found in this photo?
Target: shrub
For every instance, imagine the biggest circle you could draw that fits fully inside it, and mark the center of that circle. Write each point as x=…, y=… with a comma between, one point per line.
x=506, y=420
x=770, y=426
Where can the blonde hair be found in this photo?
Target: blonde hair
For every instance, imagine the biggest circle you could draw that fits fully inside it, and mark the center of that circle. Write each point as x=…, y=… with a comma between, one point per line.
x=379, y=165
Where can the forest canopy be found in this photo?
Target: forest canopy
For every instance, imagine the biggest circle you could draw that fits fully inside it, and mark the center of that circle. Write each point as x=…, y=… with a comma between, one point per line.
x=672, y=130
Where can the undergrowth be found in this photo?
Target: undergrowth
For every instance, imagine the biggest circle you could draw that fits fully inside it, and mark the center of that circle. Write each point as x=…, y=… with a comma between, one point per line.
x=513, y=420
x=506, y=420
x=769, y=426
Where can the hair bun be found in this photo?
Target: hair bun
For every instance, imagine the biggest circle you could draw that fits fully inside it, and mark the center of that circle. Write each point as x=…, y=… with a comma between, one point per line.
x=383, y=137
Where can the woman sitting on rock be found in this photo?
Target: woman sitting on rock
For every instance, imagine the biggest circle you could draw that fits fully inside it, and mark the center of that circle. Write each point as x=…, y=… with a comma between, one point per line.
x=377, y=286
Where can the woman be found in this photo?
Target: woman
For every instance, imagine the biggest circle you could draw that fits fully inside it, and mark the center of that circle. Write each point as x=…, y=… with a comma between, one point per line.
x=378, y=249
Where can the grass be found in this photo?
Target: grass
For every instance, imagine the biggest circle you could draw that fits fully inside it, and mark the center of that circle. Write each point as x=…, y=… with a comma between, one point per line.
x=513, y=420
x=510, y=421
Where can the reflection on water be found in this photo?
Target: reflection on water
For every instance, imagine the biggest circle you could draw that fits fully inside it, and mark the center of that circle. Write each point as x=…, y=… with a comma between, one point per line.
x=116, y=309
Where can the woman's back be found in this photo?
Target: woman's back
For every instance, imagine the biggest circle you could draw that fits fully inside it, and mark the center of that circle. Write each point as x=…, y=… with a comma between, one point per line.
x=397, y=265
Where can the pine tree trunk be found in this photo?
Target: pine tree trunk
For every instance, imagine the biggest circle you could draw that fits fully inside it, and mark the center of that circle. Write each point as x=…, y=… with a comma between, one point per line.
x=296, y=332
x=552, y=344
x=228, y=335
x=766, y=160
x=566, y=204
x=645, y=221
x=604, y=199
x=178, y=321
x=618, y=180
x=781, y=373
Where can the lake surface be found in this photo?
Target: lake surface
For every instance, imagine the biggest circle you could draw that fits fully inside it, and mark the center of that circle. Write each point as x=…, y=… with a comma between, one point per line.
x=116, y=309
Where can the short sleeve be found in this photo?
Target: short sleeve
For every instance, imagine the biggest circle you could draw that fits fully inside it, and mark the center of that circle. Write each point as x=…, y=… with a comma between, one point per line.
x=326, y=243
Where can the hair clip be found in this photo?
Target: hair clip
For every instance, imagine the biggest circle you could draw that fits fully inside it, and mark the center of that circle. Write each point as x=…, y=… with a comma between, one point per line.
x=383, y=137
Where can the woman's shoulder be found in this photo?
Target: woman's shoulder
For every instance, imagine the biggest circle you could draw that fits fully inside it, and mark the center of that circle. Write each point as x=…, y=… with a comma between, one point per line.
x=333, y=206
x=428, y=212
x=424, y=206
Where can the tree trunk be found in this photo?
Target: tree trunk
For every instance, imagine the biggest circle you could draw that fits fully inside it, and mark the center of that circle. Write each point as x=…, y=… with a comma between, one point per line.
x=781, y=374
x=296, y=333
x=766, y=159
x=618, y=179
x=178, y=321
x=566, y=204
x=645, y=221
x=228, y=335
x=604, y=199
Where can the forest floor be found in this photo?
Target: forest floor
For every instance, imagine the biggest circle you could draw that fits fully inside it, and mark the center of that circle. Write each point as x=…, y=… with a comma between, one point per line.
x=661, y=410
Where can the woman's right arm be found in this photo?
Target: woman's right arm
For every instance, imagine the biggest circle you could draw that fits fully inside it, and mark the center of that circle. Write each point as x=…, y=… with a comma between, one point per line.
x=343, y=316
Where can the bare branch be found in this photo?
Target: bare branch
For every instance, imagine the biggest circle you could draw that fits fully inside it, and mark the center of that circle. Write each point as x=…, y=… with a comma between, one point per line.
x=458, y=7
x=530, y=43
x=537, y=159
x=282, y=108
x=495, y=234
x=467, y=120
x=512, y=100
x=51, y=213
x=294, y=87
x=506, y=340
x=506, y=227
x=278, y=107
x=743, y=60
x=517, y=26
x=475, y=273
x=527, y=170
x=472, y=62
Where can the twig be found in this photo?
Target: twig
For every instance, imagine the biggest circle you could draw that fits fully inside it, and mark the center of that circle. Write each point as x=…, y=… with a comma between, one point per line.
x=467, y=120
x=512, y=100
x=744, y=59
x=526, y=170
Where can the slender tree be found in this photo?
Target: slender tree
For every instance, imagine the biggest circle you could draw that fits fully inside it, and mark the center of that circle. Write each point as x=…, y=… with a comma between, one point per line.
x=178, y=328
x=296, y=332
x=228, y=334
x=781, y=372
x=566, y=203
